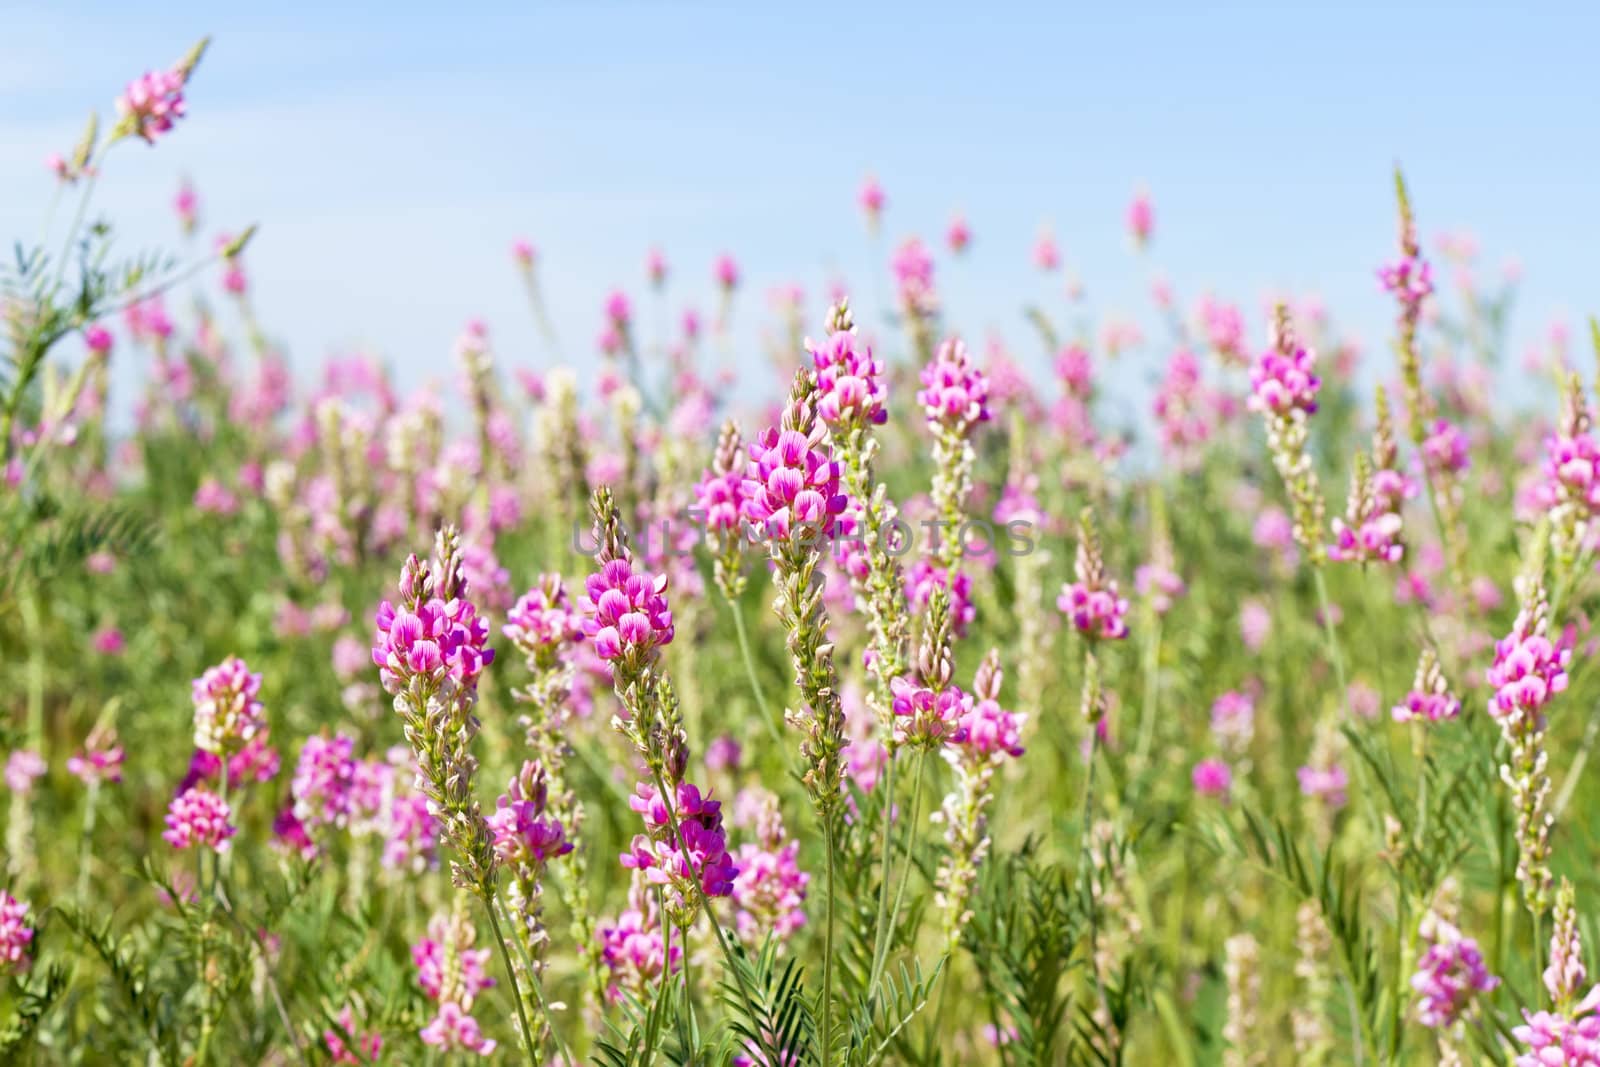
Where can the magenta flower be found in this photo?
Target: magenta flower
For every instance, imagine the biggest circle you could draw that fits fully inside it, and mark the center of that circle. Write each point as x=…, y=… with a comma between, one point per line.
x=108, y=641
x=523, y=253
x=925, y=576
x=447, y=962
x=923, y=716
x=619, y=312
x=955, y=392
x=1377, y=540
x=1283, y=383
x=186, y=205
x=257, y=761
x=703, y=854
x=872, y=198
x=100, y=760
x=23, y=767
x=1450, y=974
x=199, y=817
x=1434, y=707
x=628, y=612
x=1572, y=472
x=153, y=103
x=770, y=891
x=453, y=1030
x=1097, y=612
x=1141, y=218
x=1212, y=778
x=1446, y=448
x=98, y=339
x=227, y=713
x=1562, y=1040
x=633, y=951
x=959, y=235
x=1224, y=328
x=1046, y=254
x=913, y=273
x=790, y=481
x=1528, y=671
x=523, y=834
x=720, y=497
x=1161, y=584
x=214, y=498
x=1326, y=783
x=1409, y=279
x=1233, y=716
x=438, y=640
x=543, y=618
x=368, y=1046
x=726, y=271
x=849, y=381
x=324, y=780
x=15, y=935
x=986, y=732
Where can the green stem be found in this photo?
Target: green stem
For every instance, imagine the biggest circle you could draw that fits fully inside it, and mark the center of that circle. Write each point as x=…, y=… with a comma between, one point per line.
x=86, y=846
x=705, y=902
x=905, y=873
x=1332, y=636
x=537, y=984
x=1152, y=691
x=511, y=973
x=1569, y=784
x=827, y=957
x=886, y=865
x=773, y=725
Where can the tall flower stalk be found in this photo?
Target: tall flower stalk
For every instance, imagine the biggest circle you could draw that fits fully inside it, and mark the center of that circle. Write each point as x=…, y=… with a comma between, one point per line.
x=793, y=500
x=431, y=648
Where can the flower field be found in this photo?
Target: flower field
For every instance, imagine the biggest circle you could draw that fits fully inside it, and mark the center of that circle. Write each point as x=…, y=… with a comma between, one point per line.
x=879, y=698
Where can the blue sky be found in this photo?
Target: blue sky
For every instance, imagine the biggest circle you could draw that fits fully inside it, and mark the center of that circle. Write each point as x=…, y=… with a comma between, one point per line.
x=390, y=158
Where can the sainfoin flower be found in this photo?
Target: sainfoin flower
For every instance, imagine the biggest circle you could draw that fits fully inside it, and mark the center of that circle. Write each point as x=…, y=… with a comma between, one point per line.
x=1430, y=696
x=324, y=777
x=152, y=103
x=23, y=767
x=628, y=613
x=925, y=716
x=438, y=640
x=633, y=951
x=523, y=832
x=987, y=733
x=1212, y=778
x=1562, y=1040
x=1284, y=382
x=1097, y=612
x=770, y=889
x=100, y=759
x=367, y=1047
x=791, y=482
x=849, y=381
x=543, y=617
x=453, y=1030
x=227, y=711
x=199, y=817
x=720, y=498
x=16, y=936
x=926, y=575
x=1528, y=670
x=702, y=856
x=448, y=967
x=955, y=390
x=1450, y=974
